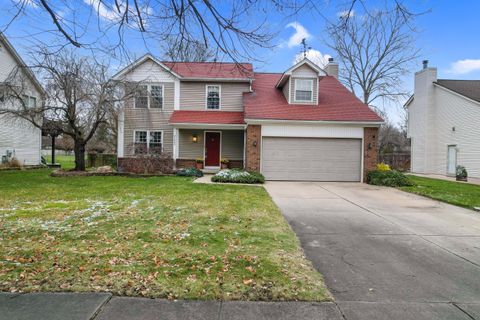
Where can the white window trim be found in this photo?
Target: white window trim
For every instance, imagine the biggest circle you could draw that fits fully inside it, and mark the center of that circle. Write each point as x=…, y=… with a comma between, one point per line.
x=219, y=96
x=149, y=89
x=148, y=138
x=295, y=90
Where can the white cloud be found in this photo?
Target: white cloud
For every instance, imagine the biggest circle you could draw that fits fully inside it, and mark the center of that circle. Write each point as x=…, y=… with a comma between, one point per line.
x=102, y=10
x=465, y=66
x=315, y=56
x=300, y=33
x=346, y=13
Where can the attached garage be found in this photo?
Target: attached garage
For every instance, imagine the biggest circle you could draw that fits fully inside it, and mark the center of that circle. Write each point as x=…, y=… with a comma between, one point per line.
x=311, y=159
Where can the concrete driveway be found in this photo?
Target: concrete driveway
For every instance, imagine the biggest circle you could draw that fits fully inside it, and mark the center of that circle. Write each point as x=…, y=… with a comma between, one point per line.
x=386, y=254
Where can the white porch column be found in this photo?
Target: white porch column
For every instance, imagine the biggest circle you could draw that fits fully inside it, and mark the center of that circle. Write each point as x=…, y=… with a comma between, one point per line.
x=175, y=143
x=120, y=134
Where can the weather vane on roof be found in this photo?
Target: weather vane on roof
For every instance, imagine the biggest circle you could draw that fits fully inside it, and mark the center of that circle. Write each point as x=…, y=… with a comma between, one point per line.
x=305, y=47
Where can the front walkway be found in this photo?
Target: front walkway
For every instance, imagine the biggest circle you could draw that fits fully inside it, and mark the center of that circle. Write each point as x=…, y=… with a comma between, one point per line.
x=384, y=253
x=441, y=177
x=103, y=306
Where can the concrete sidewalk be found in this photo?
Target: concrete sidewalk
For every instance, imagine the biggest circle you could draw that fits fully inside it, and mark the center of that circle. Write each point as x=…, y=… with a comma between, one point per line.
x=104, y=306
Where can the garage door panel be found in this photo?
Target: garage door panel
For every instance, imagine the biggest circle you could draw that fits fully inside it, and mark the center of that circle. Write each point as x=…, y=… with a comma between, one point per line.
x=311, y=159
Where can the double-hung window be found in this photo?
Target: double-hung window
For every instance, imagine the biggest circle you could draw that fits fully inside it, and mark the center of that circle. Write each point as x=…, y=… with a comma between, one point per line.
x=213, y=97
x=155, y=142
x=141, y=97
x=146, y=141
x=30, y=102
x=303, y=90
x=156, y=97
x=149, y=96
x=141, y=142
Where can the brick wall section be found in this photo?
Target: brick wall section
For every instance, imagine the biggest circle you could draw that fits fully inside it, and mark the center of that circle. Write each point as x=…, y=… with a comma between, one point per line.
x=254, y=141
x=190, y=163
x=370, y=139
x=185, y=163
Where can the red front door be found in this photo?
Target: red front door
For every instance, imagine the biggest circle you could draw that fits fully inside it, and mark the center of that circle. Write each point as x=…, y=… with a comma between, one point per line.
x=212, y=149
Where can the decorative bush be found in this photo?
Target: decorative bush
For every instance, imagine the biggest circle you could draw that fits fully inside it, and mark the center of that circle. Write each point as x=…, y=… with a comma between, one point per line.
x=391, y=178
x=190, y=172
x=224, y=161
x=146, y=164
x=238, y=176
x=461, y=173
x=383, y=167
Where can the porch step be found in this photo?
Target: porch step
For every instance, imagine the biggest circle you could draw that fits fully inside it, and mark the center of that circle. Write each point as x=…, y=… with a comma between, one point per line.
x=210, y=170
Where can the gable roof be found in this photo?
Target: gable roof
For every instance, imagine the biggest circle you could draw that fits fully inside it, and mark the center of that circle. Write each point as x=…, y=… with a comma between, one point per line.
x=212, y=70
x=138, y=62
x=335, y=103
x=288, y=72
x=467, y=88
x=21, y=63
x=196, y=70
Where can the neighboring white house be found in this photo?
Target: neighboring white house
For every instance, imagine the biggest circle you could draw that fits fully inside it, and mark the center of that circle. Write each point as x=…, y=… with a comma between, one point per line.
x=18, y=138
x=444, y=124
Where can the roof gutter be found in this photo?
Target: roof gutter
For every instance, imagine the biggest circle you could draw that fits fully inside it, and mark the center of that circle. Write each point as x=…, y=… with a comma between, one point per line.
x=306, y=122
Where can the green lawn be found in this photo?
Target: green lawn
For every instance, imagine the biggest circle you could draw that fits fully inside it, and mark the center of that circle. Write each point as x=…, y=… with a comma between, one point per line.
x=155, y=237
x=67, y=162
x=460, y=194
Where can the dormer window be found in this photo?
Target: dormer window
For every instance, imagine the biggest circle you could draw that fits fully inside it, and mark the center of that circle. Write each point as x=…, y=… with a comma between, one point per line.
x=303, y=90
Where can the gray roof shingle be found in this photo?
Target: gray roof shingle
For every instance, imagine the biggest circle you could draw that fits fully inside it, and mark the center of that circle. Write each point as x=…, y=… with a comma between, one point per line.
x=467, y=88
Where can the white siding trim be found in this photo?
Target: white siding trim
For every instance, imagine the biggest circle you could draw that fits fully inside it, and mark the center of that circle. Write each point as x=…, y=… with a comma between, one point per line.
x=121, y=134
x=175, y=143
x=176, y=93
x=312, y=131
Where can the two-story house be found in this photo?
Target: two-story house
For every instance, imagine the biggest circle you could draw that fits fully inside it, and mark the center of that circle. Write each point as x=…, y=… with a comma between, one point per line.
x=444, y=124
x=302, y=124
x=19, y=139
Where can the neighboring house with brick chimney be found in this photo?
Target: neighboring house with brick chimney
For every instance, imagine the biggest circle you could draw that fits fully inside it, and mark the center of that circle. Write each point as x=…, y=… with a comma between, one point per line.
x=302, y=124
x=444, y=124
x=19, y=139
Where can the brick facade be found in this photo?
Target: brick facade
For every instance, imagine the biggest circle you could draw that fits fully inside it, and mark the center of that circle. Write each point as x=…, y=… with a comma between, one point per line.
x=254, y=142
x=191, y=163
x=370, y=139
x=185, y=163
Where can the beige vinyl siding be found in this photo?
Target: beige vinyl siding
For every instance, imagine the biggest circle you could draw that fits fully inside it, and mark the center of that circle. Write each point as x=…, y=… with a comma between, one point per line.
x=304, y=72
x=193, y=95
x=187, y=148
x=232, y=144
x=150, y=119
x=314, y=94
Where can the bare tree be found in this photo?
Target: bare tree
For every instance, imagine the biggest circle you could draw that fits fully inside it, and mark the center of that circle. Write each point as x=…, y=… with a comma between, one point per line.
x=195, y=51
x=228, y=26
x=80, y=96
x=376, y=50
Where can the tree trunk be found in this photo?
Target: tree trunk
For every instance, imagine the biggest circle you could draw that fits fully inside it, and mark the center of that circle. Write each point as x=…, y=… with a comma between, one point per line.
x=79, y=150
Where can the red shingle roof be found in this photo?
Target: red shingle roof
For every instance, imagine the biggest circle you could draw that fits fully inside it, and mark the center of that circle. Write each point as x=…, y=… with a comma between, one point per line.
x=212, y=70
x=211, y=117
x=335, y=102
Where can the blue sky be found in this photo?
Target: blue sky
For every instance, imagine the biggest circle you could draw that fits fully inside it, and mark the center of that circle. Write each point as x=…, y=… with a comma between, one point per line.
x=448, y=36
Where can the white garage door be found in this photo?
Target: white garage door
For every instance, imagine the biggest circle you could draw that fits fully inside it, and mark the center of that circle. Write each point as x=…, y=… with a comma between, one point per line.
x=311, y=159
